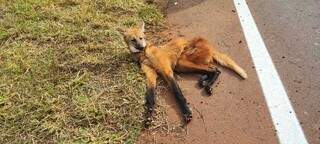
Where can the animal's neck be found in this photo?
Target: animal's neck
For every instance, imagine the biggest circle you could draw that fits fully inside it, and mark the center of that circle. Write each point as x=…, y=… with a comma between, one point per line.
x=139, y=57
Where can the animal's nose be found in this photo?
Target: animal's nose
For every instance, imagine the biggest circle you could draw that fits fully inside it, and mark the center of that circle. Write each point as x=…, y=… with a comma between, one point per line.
x=140, y=47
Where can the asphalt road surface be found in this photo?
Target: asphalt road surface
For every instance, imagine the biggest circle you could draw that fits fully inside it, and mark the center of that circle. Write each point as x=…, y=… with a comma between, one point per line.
x=237, y=112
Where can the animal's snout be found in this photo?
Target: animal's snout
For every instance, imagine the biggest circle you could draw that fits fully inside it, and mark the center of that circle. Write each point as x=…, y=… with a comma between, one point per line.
x=140, y=47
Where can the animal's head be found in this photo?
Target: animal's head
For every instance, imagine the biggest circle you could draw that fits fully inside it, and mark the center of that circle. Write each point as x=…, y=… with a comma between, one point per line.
x=135, y=38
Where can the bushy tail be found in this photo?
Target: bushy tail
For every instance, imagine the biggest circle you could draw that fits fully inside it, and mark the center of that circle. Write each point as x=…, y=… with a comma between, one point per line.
x=226, y=61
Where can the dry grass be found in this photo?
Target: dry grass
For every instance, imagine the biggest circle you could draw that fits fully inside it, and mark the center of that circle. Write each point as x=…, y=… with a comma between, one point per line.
x=65, y=74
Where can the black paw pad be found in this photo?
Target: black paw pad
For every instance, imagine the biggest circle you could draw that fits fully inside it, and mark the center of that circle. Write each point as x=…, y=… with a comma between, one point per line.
x=209, y=90
x=147, y=122
x=187, y=117
x=203, y=81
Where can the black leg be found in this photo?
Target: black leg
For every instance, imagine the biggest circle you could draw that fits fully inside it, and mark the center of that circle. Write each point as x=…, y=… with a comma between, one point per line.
x=187, y=114
x=151, y=76
x=212, y=78
x=149, y=106
x=203, y=80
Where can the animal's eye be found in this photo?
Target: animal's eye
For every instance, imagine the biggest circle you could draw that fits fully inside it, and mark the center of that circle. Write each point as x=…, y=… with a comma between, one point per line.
x=141, y=38
x=133, y=40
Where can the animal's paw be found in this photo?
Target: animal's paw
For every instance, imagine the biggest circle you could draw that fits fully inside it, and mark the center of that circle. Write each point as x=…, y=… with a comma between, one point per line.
x=147, y=122
x=209, y=90
x=148, y=118
x=203, y=81
x=187, y=117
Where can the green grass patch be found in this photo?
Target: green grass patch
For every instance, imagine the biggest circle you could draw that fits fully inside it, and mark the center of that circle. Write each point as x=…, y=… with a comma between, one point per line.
x=65, y=74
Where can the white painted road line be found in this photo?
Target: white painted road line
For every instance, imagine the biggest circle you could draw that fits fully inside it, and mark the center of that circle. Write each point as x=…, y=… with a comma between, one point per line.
x=283, y=116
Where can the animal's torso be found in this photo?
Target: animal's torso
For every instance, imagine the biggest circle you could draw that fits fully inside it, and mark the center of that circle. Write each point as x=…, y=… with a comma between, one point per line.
x=195, y=50
x=169, y=53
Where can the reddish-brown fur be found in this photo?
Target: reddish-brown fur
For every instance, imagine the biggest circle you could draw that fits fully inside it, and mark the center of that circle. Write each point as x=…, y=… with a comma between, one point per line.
x=181, y=55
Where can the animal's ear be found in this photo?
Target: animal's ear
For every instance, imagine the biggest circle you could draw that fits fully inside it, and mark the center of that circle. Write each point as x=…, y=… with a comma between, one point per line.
x=122, y=30
x=142, y=26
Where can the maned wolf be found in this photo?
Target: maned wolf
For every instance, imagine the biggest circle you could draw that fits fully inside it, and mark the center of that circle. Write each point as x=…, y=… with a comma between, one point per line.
x=180, y=55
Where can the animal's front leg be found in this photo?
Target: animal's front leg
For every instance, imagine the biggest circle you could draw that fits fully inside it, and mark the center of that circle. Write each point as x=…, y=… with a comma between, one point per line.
x=151, y=76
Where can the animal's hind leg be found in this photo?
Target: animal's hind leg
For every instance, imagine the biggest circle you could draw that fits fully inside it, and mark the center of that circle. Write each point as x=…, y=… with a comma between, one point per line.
x=186, y=66
x=210, y=73
x=211, y=79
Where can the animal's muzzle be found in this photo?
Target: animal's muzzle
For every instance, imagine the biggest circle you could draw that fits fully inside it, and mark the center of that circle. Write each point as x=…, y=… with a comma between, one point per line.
x=140, y=48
